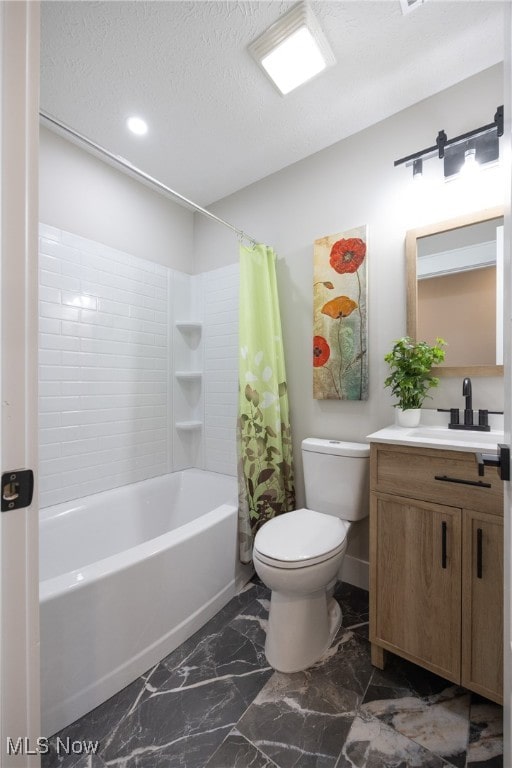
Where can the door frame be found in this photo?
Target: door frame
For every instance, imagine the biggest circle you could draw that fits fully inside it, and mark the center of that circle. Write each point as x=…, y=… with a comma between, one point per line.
x=507, y=360
x=19, y=543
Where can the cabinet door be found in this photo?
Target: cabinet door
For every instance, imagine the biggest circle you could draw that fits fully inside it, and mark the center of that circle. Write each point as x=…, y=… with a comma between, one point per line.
x=416, y=581
x=482, y=604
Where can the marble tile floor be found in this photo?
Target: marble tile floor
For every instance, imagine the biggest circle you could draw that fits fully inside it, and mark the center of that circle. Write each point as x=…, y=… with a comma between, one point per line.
x=215, y=703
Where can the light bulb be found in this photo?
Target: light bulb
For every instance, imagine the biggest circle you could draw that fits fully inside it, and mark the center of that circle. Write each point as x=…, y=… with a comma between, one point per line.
x=470, y=162
x=137, y=125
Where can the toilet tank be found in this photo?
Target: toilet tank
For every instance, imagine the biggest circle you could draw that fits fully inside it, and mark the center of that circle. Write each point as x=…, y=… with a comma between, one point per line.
x=337, y=477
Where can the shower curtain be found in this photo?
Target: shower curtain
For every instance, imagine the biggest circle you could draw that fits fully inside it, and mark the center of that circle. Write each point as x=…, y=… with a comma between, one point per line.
x=265, y=465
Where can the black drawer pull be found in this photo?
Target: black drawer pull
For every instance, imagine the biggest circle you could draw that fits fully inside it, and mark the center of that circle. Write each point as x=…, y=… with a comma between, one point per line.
x=479, y=548
x=446, y=479
x=443, y=544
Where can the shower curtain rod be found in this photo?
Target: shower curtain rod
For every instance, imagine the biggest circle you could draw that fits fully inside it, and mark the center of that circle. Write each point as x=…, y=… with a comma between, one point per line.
x=137, y=172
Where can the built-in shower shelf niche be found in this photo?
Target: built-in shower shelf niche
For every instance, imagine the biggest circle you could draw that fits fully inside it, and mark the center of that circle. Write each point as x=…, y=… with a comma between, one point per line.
x=189, y=337
x=190, y=375
x=188, y=364
x=189, y=325
x=189, y=425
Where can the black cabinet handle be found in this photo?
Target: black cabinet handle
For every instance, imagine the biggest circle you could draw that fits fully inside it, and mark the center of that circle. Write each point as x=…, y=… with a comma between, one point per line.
x=446, y=479
x=443, y=544
x=479, y=552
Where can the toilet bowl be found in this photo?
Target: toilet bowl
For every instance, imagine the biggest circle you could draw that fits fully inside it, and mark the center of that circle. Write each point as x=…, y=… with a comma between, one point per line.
x=299, y=555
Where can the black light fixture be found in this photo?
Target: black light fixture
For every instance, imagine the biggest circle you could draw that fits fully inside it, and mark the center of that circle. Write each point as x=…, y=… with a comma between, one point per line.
x=417, y=168
x=479, y=147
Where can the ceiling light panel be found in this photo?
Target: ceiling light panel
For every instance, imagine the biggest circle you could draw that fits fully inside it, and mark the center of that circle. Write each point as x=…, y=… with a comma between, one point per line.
x=293, y=50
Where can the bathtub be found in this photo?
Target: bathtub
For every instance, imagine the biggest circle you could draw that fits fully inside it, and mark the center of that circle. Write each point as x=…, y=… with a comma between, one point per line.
x=126, y=576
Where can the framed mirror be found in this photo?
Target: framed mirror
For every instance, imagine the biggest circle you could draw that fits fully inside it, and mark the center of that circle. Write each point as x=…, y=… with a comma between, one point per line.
x=455, y=291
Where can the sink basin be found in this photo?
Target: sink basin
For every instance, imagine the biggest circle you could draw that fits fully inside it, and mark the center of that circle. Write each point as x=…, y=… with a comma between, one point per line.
x=458, y=435
x=440, y=437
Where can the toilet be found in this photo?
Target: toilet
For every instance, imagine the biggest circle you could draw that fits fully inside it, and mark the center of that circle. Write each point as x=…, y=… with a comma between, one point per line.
x=299, y=555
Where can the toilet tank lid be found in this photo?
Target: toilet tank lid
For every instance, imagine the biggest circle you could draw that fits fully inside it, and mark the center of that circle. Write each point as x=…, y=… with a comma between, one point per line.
x=336, y=447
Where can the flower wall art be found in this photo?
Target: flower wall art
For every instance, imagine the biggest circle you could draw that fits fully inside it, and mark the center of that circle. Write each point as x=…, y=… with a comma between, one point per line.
x=340, y=355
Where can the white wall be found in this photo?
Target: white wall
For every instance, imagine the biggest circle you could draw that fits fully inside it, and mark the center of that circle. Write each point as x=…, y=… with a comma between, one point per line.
x=105, y=367
x=351, y=183
x=346, y=185
x=81, y=194
x=101, y=234
x=221, y=289
x=126, y=391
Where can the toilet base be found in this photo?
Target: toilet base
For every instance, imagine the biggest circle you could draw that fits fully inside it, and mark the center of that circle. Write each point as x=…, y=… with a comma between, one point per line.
x=300, y=629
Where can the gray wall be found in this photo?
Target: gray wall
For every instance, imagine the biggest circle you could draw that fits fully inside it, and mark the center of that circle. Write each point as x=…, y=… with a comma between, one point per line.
x=346, y=185
x=351, y=183
x=84, y=195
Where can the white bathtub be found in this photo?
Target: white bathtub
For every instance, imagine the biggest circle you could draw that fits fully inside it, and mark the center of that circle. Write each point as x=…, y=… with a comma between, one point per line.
x=126, y=576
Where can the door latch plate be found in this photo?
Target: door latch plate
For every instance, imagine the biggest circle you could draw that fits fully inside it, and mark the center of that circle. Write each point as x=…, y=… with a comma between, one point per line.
x=17, y=489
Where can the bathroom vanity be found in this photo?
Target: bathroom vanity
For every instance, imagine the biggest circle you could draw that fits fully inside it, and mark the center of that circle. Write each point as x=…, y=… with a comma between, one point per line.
x=436, y=555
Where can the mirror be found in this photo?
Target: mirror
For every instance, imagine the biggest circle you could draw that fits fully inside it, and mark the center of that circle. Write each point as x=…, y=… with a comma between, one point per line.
x=455, y=290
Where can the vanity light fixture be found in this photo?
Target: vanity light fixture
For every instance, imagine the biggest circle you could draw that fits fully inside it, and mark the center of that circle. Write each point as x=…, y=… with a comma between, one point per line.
x=293, y=50
x=477, y=147
x=417, y=168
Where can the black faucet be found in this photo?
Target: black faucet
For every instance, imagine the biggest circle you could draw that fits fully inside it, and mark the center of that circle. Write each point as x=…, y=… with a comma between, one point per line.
x=468, y=408
x=483, y=415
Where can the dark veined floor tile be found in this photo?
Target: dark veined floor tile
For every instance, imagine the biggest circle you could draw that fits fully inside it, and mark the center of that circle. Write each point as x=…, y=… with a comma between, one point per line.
x=486, y=734
x=372, y=744
x=353, y=602
x=439, y=722
x=236, y=752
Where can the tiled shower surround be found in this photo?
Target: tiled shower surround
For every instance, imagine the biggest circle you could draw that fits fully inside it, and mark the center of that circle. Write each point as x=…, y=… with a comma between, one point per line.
x=107, y=368
x=220, y=367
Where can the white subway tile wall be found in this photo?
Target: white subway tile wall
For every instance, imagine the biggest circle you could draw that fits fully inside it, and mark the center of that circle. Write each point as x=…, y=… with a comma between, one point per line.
x=221, y=290
x=106, y=368
x=103, y=367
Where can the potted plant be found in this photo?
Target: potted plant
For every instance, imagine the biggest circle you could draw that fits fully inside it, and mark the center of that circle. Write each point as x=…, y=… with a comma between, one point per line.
x=411, y=378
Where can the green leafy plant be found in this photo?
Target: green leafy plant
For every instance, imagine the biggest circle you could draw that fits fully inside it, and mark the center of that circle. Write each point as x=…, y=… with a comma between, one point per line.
x=411, y=363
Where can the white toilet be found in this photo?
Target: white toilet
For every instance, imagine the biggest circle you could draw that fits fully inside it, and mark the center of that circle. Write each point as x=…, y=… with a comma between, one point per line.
x=299, y=555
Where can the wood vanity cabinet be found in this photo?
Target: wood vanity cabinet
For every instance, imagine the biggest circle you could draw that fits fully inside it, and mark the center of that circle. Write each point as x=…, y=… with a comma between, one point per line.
x=436, y=564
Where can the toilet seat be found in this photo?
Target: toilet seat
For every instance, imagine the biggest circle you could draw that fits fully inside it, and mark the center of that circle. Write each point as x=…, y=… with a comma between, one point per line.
x=300, y=538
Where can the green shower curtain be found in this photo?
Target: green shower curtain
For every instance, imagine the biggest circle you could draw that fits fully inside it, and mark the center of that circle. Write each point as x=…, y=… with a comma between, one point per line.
x=265, y=465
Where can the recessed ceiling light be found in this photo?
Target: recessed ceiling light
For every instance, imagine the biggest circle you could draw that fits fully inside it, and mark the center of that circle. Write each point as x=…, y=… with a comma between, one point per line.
x=137, y=125
x=293, y=50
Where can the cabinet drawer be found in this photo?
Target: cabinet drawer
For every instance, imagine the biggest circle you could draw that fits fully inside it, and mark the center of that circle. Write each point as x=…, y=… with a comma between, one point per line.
x=445, y=477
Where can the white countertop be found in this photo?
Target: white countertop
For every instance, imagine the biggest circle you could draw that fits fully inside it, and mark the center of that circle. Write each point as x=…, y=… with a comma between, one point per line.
x=433, y=432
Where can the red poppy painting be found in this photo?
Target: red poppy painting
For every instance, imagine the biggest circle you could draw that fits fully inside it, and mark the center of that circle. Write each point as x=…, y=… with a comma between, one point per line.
x=321, y=351
x=340, y=356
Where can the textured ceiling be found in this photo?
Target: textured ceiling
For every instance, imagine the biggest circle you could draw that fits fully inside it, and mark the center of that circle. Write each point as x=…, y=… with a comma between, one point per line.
x=216, y=122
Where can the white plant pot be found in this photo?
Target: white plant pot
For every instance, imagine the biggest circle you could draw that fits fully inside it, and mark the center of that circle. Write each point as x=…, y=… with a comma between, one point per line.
x=408, y=418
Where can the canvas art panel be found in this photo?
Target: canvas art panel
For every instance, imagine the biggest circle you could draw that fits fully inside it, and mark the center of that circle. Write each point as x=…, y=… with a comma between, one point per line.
x=340, y=348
